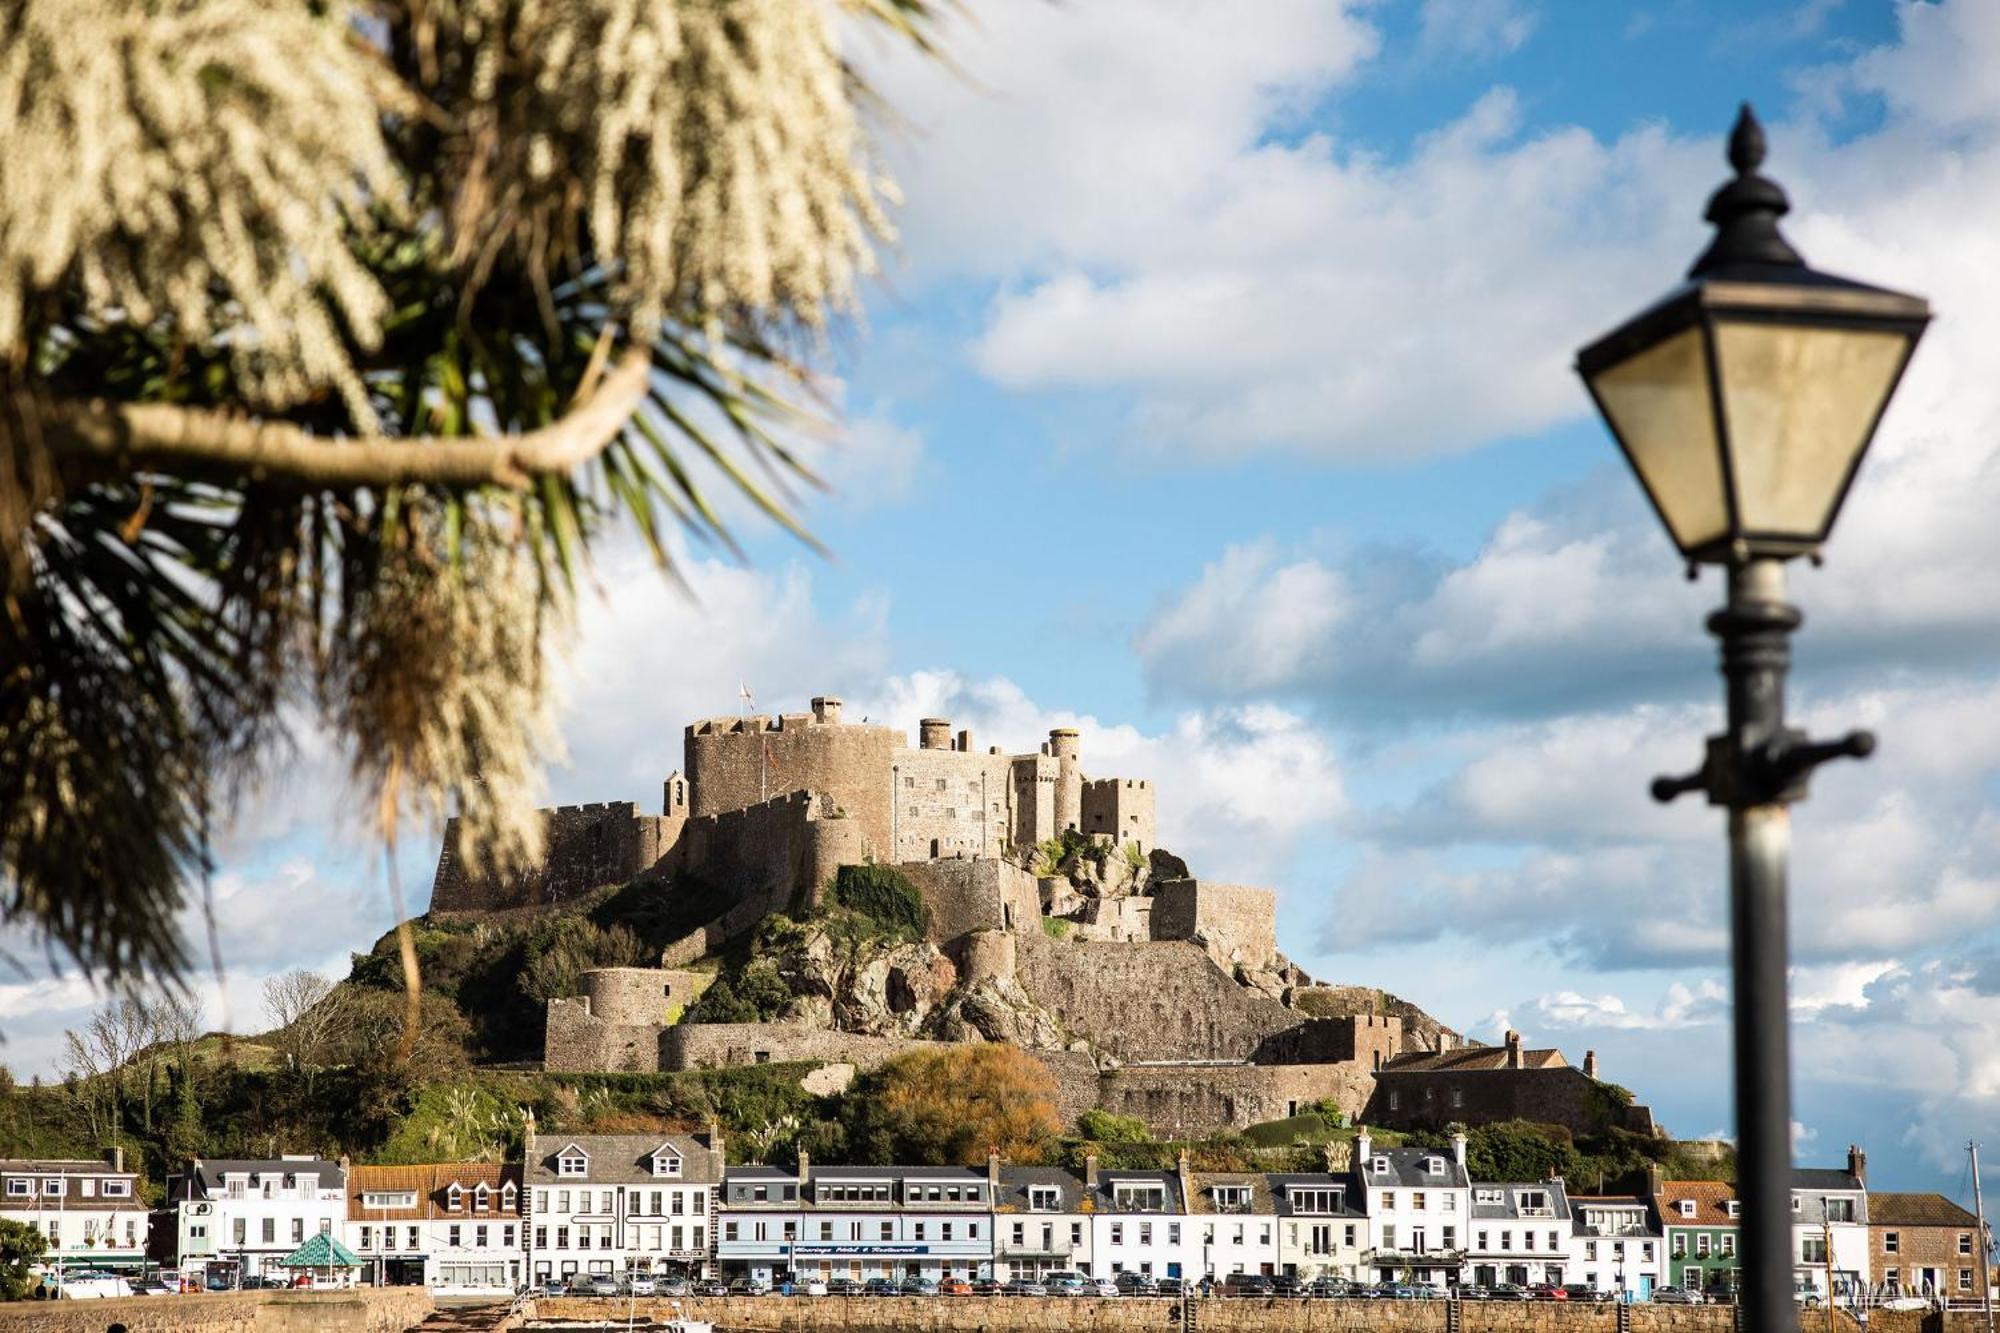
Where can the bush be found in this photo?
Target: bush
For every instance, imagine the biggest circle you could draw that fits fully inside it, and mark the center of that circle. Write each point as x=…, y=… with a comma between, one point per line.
x=950, y=1105
x=754, y=993
x=1055, y=927
x=885, y=896
x=1099, y=1126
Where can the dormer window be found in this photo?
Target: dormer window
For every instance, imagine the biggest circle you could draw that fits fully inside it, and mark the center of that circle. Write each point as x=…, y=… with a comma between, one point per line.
x=1434, y=1165
x=454, y=1198
x=1232, y=1198
x=507, y=1195
x=666, y=1162
x=1735, y=1208
x=1687, y=1207
x=482, y=1197
x=1044, y=1199
x=1486, y=1196
x=573, y=1161
x=1379, y=1164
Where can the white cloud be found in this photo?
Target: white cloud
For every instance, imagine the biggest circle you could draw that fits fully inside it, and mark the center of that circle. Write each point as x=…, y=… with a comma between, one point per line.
x=1250, y=623
x=1474, y=29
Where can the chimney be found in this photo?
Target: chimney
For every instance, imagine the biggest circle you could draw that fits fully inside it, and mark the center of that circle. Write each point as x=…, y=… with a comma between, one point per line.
x=715, y=1141
x=1090, y=1172
x=1186, y=1181
x=1857, y=1163
x=1362, y=1144
x=1513, y=1049
x=993, y=1175
x=1590, y=1065
x=934, y=733
x=805, y=1171
x=114, y=1157
x=965, y=742
x=1458, y=1148
x=1445, y=1041
x=1655, y=1182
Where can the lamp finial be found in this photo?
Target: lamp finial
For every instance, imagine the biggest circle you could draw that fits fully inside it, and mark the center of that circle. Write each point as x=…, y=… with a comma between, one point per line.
x=1746, y=210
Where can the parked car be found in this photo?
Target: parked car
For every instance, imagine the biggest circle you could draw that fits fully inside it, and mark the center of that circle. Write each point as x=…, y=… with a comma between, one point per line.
x=1132, y=1282
x=1678, y=1296
x=672, y=1286
x=1326, y=1288
x=640, y=1284
x=986, y=1286
x=748, y=1286
x=154, y=1286
x=1542, y=1291
x=1403, y=1291
x=1247, y=1284
x=1472, y=1291
x=1583, y=1291
x=81, y=1284
x=1067, y=1284
x=1288, y=1286
x=598, y=1284
x=1806, y=1294
x=919, y=1286
x=1175, y=1287
x=1026, y=1286
x=1507, y=1291
x=1432, y=1291
x=843, y=1286
x=881, y=1286
x=1104, y=1288
x=954, y=1286
x=712, y=1287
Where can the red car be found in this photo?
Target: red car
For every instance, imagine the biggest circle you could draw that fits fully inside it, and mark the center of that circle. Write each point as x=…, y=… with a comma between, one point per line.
x=954, y=1286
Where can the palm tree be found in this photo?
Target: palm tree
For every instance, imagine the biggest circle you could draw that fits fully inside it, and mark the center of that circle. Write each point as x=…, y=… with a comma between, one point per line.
x=332, y=334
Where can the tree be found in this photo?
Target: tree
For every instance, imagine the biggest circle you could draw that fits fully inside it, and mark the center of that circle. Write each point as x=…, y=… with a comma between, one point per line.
x=953, y=1104
x=332, y=335
x=1101, y=1126
x=308, y=1015
x=20, y=1246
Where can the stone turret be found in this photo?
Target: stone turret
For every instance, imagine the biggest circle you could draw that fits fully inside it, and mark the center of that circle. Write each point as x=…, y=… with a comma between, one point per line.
x=826, y=710
x=1513, y=1049
x=934, y=733
x=1063, y=747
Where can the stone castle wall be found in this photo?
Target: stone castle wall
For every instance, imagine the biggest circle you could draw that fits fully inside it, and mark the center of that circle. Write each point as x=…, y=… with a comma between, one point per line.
x=586, y=846
x=732, y=763
x=1189, y=1100
x=1164, y=1000
x=965, y=896
x=734, y=1045
x=363, y=1310
x=1369, y=1041
x=1417, y=1099
x=950, y=803
x=1244, y=917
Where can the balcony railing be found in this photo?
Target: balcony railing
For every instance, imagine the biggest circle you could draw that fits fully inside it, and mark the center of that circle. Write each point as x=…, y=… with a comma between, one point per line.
x=1032, y=1249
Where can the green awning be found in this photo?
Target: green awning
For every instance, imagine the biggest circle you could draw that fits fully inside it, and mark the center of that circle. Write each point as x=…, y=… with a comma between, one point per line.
x=322, y=1251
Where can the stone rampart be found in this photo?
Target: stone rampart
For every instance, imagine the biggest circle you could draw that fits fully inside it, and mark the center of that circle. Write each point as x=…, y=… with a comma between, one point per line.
x=1177, y=1100
x=615, y=1024
x=1120, y=809
x=384, y=1310
x=1127, y=1314
x=733, y=1045
x=969, y=895
x=1164, y=1000
x=1367, y=1040
x=1242, y=918
x=585, y=847
x=1429, y=1099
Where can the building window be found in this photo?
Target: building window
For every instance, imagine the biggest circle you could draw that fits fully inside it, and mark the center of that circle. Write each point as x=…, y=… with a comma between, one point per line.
x=575, y=1165
x=1728, y=1245
x=1965, y=1279
x=117, y=1189
x=1892, y=1242
x=1687, y=1207
x=1734, y=1208
x=1965, y=1242
x=451, y=1237
x=270, y=1231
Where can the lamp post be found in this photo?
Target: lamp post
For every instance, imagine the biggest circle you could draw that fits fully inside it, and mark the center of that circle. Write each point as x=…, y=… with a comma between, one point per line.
x=1744, y=401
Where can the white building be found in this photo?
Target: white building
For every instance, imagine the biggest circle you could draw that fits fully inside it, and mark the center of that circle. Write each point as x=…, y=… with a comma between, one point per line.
x=454, y=1227
x=1617, y=1245
x=1830, y=1226
x=249, y=1214
x=1520, y=1234
x=612, y=1203
x=1418, y=1206
x=856, y=1222
x=90, y=1211
x=1039, y=1222
x=1140, y=1224
x=1322, y=1230
x=1232, y=1220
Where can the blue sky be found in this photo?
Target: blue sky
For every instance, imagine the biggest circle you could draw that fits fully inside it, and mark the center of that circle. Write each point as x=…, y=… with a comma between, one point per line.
x=1215, y=397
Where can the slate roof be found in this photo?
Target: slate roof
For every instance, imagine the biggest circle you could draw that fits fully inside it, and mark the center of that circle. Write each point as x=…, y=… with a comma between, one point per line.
x=1509, y=1207
x=1469, y=1058
x=1107, y=1198
x=1405, y=1168
x=208, y=1172
x=432, y=1186
x=1205, y=1182
x=1825, y=1178
x=1279, y=1182
x=1917, y=1210
x=1015, y=1180
x=623, y=1159
x=1711, y=1203
x=1580, y=1206
x=69, y=1169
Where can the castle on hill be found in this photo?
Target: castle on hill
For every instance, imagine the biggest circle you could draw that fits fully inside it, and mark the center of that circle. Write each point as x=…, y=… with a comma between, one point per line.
x=1143, y=989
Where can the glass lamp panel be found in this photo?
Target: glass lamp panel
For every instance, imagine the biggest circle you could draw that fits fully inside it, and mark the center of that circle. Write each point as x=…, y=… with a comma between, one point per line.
x=1658, y=404
x=1800, y=404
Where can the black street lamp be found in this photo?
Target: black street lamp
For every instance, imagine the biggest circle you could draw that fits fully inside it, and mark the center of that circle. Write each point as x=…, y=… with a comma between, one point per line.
x=1744, y=401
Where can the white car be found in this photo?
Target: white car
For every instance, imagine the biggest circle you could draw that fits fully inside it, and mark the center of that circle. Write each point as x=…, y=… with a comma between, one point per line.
x=640, y=1284
x=1104, y=1286
x=82, y=1284
x=814, y=1286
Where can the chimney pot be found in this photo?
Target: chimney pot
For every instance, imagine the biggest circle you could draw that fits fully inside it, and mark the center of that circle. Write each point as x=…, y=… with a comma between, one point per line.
x=1090, y=1171
x=1590, y=1064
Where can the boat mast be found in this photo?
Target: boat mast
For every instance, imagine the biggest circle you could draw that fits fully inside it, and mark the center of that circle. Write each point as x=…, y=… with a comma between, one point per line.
x=1980, y=1245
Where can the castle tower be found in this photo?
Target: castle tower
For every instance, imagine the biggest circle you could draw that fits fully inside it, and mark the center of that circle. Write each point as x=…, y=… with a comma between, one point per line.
x=934, y=733
x=675, y=794
x=1063, y=747
x=826, y=710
